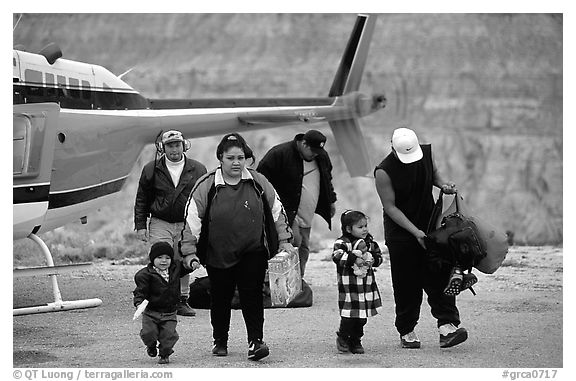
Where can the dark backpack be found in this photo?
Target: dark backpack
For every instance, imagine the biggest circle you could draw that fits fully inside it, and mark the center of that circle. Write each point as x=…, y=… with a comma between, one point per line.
x=456, y=241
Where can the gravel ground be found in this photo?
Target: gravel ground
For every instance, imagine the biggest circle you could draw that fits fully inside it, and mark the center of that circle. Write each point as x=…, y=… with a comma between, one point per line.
x=515, y=321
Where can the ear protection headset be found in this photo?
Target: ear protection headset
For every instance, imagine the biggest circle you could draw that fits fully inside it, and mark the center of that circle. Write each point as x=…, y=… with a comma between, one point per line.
x=160, y=146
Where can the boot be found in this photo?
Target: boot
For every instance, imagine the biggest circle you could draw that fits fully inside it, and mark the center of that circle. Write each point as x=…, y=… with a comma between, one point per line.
x=183, y=309
x=355, y=345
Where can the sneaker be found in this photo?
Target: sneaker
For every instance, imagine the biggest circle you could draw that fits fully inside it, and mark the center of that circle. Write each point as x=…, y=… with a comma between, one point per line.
x=164, y=360
x=455, y=282
x=257, y=349
x=342, y=344
x=220, y=348
x=183, y=309
x=355, y=346
x=152, y=351
x=410, y=340
x=451, y=336
x=468, y=280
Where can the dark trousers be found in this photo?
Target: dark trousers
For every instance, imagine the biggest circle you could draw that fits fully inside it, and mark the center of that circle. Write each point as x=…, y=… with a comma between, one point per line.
x=159, y=327
x=352, y=327
x=413, y=273
x=248, y=276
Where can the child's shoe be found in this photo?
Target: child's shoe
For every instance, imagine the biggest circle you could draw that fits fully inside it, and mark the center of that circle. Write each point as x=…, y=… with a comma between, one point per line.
x=454, y=282
x=152, y=351
x=164, y=360
x=355, y=345
x=342, y=343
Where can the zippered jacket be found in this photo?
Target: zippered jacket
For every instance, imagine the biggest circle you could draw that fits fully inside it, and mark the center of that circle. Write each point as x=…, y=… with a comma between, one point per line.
x=162, y=296
x=158, y=197
x=276, y=228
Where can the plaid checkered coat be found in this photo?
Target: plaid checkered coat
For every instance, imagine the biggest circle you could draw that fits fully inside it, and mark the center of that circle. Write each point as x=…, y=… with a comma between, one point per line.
x=357, y=297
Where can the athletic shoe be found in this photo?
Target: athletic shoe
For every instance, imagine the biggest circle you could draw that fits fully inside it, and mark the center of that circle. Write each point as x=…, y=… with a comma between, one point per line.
x=468, y=280
x=451, y=336
x=410, y=340
x=220, y=348
x=342, y=344
x=257, y=349
x=152, y=351
x=455, y=282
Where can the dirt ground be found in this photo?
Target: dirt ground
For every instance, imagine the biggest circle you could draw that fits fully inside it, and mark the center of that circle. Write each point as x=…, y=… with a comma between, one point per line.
x=515, y=321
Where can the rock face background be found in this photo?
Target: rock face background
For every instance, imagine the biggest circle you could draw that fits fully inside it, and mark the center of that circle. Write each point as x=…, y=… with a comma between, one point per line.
x=485, y=89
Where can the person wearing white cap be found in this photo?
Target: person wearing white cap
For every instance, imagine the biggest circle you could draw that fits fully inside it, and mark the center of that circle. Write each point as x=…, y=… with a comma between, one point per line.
x=163, y=191
x=404, y=181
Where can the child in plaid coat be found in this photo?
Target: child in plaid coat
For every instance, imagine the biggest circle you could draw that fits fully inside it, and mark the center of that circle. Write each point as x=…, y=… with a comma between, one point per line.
x=355, y=255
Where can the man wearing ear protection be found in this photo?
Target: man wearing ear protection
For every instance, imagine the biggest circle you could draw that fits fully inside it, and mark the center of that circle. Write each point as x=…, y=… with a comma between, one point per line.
x=163, y=191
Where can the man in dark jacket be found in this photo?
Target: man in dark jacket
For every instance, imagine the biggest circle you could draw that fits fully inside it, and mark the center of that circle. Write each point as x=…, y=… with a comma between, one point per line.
x=163, y=191
x=301, y=172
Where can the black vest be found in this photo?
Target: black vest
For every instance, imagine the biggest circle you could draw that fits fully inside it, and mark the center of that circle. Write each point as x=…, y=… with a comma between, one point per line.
x=412, y=184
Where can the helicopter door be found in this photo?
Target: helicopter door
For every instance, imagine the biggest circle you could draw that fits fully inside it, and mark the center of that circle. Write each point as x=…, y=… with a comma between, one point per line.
x=34, y=137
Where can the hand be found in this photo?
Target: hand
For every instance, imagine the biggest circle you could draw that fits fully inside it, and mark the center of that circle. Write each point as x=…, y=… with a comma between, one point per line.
x=357, y=253
x=286, y=246
x=369, y=259
x=142, y=234
x=420, y=235
x=449, y=188
x=190, y=262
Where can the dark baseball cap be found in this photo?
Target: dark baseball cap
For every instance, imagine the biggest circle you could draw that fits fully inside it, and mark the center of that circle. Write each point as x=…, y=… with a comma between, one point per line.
x=315, y=140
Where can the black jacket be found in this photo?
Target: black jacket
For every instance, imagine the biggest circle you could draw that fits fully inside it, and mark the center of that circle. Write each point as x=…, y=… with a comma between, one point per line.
x=283, y=167
x=158, y=197
x=162, y=296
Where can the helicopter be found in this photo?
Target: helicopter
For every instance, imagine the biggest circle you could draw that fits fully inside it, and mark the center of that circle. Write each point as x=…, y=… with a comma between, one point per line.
x=78, y=131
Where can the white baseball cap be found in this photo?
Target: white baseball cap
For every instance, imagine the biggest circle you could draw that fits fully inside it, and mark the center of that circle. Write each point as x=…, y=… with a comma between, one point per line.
x=405, y=143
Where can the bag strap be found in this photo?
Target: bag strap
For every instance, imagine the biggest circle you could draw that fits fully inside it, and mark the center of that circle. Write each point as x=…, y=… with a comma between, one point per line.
x=436, y=212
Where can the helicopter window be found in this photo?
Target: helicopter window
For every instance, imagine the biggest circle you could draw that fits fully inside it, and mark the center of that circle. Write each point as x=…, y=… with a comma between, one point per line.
x=74, y=87
x=50, y=89
x=21, y=127
x=34, y=78
x=85, y=89
x=62, y=91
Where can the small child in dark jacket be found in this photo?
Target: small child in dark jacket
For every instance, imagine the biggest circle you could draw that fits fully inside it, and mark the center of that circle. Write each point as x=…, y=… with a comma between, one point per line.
x=159, y=284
